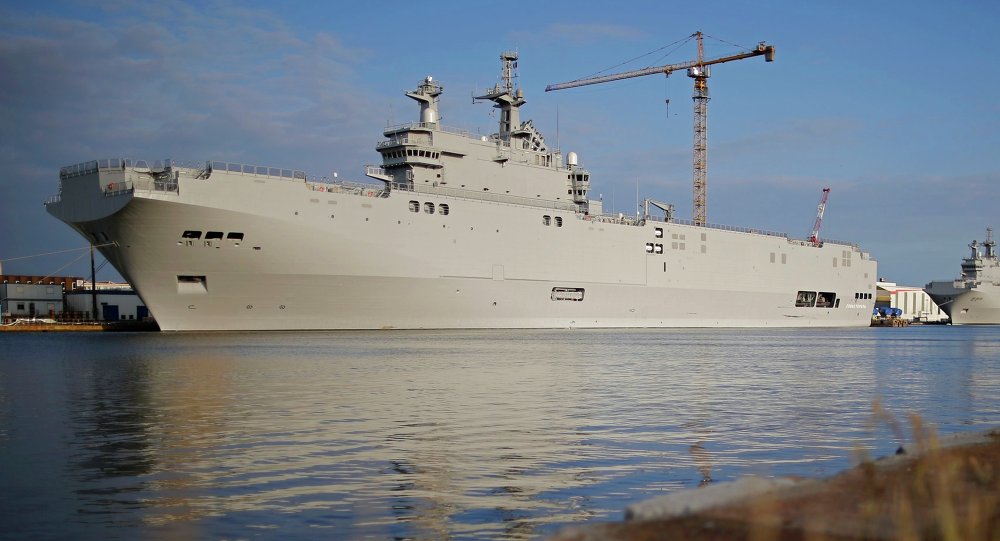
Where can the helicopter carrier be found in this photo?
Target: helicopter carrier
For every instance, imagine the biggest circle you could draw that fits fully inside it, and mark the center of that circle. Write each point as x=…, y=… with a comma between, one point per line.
x=451, y=230
x=974, y=298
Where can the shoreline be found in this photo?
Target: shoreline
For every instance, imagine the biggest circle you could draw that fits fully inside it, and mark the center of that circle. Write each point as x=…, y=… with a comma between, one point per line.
x=937, y=489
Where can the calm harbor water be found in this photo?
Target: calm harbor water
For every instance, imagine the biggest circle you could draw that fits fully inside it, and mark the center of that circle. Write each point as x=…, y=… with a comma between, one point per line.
x=447, y=435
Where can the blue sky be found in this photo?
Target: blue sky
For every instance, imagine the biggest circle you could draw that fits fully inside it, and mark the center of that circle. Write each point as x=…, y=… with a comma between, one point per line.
x=893, y=105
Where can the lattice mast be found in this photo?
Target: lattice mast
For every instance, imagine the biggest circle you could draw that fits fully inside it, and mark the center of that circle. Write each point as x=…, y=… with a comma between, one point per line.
x=700, y=73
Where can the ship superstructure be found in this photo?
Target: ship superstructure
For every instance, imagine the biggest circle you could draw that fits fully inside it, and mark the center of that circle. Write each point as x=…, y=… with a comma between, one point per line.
x=460, y=231
x=974, y=298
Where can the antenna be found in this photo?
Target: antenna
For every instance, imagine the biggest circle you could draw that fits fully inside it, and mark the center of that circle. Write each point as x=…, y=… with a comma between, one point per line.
x=558, y=147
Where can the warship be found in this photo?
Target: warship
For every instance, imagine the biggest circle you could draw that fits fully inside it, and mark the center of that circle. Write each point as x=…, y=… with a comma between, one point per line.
x=974, y=298
x=451, y=230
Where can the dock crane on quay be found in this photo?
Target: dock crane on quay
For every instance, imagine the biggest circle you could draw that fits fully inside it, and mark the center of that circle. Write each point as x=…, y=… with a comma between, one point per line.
x=699, y=71
x=820, y=209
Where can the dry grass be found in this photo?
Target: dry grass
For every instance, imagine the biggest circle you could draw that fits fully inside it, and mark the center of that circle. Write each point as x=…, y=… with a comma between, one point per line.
x=933, y=492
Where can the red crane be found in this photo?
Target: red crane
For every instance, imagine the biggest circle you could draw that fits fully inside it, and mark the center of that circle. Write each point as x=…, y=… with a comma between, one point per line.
x=814, y=238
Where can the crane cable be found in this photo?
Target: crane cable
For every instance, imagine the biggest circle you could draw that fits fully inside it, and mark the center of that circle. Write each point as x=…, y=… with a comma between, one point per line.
x=79, y=257
x=54, y=253
x=678, y=44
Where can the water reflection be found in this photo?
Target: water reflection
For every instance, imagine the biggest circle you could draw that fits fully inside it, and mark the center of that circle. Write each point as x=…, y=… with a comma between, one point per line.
x=431, y=435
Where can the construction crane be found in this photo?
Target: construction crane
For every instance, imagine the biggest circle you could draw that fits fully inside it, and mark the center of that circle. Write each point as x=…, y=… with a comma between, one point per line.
x=820, y=209
x=700, y=72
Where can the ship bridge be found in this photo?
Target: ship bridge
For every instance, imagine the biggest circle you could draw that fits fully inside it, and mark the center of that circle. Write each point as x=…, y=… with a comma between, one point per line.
x=514, y=161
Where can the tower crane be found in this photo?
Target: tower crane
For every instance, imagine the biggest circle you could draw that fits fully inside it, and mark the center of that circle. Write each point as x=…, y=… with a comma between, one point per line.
x=820, y=209
x=699, y=71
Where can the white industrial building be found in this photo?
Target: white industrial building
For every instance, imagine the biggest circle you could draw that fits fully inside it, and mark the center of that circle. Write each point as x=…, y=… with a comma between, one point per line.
x=915, y=303
x=115, y=301
x=27, y=296
x=30, y=300
x=67, y=298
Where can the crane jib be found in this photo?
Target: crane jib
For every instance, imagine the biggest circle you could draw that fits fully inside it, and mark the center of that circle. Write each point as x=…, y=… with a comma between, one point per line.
x=762, y=49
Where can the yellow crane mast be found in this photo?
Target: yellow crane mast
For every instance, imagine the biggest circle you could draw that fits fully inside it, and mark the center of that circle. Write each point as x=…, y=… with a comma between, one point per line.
x=699, y=71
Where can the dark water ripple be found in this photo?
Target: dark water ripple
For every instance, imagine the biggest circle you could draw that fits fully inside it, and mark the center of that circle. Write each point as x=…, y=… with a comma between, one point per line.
x=448, y=435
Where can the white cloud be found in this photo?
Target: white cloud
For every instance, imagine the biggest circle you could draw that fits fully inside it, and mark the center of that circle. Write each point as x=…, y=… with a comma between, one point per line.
x=166, y=80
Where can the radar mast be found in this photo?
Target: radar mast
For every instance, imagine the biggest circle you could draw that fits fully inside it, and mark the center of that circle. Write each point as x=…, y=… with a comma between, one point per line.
x=506, y=98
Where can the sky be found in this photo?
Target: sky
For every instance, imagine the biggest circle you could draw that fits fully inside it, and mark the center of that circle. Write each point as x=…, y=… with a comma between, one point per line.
x=892, y=105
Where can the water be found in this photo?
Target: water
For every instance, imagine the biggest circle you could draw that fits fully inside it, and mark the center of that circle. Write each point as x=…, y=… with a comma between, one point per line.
x=447, y=435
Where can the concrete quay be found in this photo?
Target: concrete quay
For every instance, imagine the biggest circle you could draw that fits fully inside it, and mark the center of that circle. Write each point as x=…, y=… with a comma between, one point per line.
x=947, y=489
x=85, y=326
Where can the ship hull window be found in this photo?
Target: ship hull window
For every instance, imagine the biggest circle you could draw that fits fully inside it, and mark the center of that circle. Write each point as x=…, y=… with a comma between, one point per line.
x=805, y=299
x=567, y=293
x=191, y=285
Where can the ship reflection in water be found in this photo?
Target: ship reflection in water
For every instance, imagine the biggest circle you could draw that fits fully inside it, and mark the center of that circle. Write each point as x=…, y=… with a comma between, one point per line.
x=488, y=435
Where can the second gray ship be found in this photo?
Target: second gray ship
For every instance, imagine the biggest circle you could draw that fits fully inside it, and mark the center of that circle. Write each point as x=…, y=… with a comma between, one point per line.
x=974, y=298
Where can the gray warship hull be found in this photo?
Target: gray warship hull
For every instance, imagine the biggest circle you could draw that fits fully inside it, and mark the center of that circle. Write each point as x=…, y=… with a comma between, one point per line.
x=458, y=231
x=979, y=305
x=289, y=256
